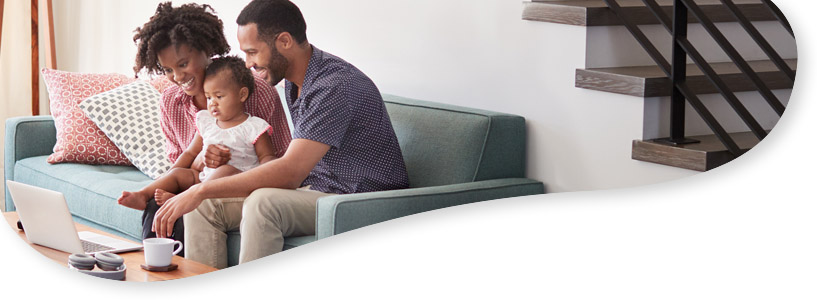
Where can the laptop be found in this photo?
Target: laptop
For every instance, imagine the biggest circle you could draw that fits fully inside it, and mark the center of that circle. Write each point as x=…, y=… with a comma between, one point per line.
x=47, y=222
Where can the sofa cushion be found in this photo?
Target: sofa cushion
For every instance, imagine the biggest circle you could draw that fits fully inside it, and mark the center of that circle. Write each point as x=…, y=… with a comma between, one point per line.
x=446, y=144
x=90, y=190
x=439, y=147
x=130, y=116
x=78, y=138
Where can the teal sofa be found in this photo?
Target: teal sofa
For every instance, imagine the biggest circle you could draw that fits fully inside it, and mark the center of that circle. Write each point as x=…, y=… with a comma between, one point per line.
x=454, y=155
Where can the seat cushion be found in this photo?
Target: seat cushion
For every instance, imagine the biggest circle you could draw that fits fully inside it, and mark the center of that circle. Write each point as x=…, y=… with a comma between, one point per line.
x=90, y=190
x=296, y=241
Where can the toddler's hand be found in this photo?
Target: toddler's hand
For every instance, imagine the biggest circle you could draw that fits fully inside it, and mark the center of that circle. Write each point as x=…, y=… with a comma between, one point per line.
x=198, y=163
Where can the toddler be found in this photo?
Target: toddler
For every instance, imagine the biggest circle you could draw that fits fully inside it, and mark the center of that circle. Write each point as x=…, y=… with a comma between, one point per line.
x=227, y=84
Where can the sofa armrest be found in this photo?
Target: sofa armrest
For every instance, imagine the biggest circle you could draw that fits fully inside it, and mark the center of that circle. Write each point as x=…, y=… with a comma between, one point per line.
x=341, y=213
x=26, y=137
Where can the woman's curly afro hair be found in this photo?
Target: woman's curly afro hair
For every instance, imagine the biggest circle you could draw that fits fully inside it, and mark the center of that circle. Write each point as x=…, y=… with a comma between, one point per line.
x=194, y=25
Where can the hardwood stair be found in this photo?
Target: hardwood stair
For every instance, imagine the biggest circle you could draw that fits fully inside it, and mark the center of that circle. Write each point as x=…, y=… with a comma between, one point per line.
x=596, y=13
x=704, y=156
x=650, y=81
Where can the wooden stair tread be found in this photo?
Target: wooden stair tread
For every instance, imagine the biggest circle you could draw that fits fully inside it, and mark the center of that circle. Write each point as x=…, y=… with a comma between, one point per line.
x=596, y=13
x=710, y=153
x=650, y=81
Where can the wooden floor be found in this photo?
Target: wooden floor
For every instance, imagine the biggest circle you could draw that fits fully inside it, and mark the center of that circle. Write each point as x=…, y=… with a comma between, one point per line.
x=596, y=13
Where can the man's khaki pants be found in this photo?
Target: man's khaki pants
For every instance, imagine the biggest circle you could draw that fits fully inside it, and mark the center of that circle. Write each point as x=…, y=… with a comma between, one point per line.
x=264, y=218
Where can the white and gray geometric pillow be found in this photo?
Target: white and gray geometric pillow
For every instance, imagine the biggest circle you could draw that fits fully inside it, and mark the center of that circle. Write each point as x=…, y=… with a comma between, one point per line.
x=130, y=116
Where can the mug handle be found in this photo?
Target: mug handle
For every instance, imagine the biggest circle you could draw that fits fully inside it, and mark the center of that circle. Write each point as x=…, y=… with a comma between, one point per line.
x=180, y=247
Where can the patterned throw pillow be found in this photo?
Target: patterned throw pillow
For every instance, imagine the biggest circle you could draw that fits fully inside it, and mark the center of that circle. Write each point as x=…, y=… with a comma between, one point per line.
x=161, y=83
x=130, y=116
x=79, y=140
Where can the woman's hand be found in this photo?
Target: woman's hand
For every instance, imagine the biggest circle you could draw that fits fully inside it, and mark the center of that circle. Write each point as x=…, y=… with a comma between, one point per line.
x=216, y=155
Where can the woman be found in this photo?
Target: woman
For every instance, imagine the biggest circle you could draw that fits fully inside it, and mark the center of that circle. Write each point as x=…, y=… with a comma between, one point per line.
x=178, y=42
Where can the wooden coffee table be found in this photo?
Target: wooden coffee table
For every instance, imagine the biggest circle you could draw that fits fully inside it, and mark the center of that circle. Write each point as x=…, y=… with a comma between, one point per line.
x=133, y=259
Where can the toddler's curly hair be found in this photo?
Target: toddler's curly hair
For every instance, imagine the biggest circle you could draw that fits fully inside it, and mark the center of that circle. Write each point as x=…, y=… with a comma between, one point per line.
x=240, y=74
x=192, y=24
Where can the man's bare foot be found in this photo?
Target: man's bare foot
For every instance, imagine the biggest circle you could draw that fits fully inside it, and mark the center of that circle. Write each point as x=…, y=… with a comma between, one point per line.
x=133, y=200
x=161, y=196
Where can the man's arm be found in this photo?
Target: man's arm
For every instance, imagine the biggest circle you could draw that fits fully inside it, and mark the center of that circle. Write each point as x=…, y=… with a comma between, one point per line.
x=287, y=172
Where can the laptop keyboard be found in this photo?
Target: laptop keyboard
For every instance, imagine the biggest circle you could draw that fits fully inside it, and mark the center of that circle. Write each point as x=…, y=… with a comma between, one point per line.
x=90, y=247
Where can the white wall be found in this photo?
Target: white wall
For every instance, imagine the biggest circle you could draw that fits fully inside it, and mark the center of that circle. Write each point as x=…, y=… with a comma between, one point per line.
x=471, y=53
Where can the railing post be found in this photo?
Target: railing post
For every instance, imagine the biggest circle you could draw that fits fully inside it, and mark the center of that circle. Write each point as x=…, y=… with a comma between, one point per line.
x=679, y=68
x=679, y=72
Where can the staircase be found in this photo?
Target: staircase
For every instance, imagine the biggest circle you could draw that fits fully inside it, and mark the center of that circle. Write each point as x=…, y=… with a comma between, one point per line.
x=730, y=78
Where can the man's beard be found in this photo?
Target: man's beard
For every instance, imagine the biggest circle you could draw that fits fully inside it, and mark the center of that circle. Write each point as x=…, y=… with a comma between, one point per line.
x=276, y=70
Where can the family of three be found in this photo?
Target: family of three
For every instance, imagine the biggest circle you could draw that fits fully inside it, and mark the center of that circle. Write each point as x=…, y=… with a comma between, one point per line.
x=236, y=165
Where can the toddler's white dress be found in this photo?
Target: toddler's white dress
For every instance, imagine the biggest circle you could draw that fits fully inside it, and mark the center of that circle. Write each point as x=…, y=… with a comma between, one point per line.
x=240, y=139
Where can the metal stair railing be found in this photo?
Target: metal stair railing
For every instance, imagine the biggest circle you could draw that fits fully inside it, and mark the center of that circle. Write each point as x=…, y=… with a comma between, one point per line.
x=677, y=70
x=730, y=50
x=761, y=41
x=710, y=73
x=779, y=15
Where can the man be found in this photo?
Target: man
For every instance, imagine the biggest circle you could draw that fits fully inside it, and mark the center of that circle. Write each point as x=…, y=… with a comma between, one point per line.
x=343, y=142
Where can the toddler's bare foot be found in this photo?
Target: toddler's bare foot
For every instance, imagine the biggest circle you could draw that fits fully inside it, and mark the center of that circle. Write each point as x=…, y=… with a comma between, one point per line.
x=161, y=196
x=133, y=200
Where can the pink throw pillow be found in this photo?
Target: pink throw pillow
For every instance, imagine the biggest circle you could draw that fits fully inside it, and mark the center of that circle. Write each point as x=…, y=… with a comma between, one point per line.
x=79, y=140
x=161, y=83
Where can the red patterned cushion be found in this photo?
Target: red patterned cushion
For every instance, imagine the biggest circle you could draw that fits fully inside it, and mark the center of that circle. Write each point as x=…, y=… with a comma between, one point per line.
x=79, y=140
x=161, y=83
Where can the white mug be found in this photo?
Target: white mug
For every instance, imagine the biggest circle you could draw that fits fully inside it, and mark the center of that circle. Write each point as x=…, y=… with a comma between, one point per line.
x=159, y=251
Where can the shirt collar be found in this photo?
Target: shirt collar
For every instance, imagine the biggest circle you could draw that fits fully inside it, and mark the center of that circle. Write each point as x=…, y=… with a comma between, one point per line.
x=309, y=76
x=314, y=65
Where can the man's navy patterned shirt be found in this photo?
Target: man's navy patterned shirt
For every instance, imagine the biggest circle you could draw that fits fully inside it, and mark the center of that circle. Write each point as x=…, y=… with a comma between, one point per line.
x=341, y=107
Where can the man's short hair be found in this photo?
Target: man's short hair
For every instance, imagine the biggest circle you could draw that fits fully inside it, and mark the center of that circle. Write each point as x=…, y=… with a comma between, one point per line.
x=240, y=74
x=273, y=17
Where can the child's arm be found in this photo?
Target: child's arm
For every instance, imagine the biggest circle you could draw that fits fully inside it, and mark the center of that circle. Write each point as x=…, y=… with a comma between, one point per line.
x=189, y=155
x=263, y=148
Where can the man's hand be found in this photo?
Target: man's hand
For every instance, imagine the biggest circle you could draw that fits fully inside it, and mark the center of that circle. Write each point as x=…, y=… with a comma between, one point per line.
x=216, y=155
x=173, y=209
